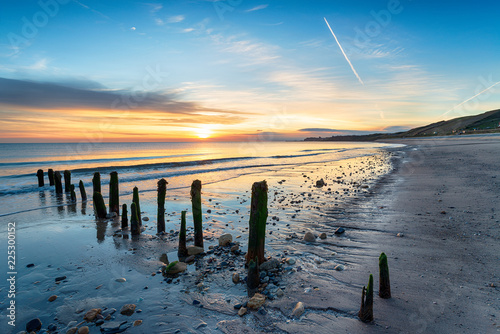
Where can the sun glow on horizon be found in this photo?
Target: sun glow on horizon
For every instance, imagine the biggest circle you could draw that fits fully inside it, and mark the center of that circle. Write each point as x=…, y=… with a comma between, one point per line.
x=204, y=132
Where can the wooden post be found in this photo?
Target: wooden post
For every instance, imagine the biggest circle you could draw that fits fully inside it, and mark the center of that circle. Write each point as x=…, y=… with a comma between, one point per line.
x=197, y=214
x=366, y=311
x=114, y=194
x=67, y=181
x=96, y=182
x=99, y=206
x=51, y=177
x=58, y=183
x=124, y=217
x=182, y=250
x=135, y=228
x=135, y=199
x=258, y=218
x=83, y=193
x=73, y=195
x=253, y=278
x=39, y=174
x=162, y=192
x=384, y=289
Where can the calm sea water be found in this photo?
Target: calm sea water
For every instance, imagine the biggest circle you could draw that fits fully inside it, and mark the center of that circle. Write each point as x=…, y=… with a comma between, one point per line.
x=140, y=163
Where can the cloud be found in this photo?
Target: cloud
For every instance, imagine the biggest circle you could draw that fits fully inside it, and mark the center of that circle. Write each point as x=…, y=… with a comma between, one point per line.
x=176, y=19
x=23, y=94
x=256, y=8
x=133, y=28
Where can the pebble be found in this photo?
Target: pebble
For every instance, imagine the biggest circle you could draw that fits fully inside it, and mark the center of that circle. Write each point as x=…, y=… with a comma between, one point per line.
x=33, y=325
x=91, y=314
x=61, y=278
x=309, y=237
x=269, y=264
x=339, y=231
x=114, y=327
x=242, y=311
x=52, y=327
x=83, y=330
x=190, y=258
x=30, y=265
x=145, y=219
x=237, y=306
x=121, y=280
x=195, y=250
x=280, y=293
x=400, y=235
x=200, y=325
x=236, y=278
x=322, y=236
x=137, y=323
x=298, y=310
x=256, y=301
x=339, y=267
x=176, y=268
x=235, y=248
x=72, y=330
x=52, y=298
x=225, y=239
x=128, y=309
x=290, y=261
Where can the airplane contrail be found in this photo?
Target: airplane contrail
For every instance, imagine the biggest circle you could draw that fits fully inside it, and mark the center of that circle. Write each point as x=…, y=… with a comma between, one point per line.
x=340, y=46
x=481, y=92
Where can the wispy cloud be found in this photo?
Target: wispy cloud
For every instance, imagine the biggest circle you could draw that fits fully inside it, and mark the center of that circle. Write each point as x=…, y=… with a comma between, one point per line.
x=176, y=19
x=256, y=8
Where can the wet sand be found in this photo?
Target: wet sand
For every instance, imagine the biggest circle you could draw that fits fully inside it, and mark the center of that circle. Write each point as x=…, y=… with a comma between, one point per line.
x=441, y=197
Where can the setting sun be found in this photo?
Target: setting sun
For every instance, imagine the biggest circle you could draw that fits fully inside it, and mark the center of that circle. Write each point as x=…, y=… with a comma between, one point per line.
x=203, y=133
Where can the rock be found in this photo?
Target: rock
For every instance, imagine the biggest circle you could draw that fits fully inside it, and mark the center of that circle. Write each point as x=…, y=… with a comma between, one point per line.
x=201, y=324
x=320, y=183
x=111, y=215
x=237, y=306
x=269, y=264
x=128, y=309
x=256, y=301
x=298, y=310
x=30, y=265
x=309, y=237
x=339, y=267
x=225, y=239
x=61, y=278
x=178, y=267
x=33, y=325
x=84, y=329
x=339, y=231
x=52, y=298
x=280, y=293
x=290, y=261
x=236, y=278
x=52, y=327
x=113, y=327
x=121, y=280
x=400, y=235
x=72, y=330
x=322, y=236
x=99, y=322
x=137, y=323
x=195, y=250
x=145, y=219
x=190, y=259
x=235, y=248
x=90, y=315
x=242, y=311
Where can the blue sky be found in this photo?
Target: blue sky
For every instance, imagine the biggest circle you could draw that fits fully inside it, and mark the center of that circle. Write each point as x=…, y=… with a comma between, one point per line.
x=235, y=69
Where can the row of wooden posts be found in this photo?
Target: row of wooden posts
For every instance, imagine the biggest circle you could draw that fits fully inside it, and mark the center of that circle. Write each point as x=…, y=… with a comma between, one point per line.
x=257, y=226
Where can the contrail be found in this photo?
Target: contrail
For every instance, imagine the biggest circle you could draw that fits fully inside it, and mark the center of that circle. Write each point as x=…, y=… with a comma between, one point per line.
x=340, y=46
x=485, y=90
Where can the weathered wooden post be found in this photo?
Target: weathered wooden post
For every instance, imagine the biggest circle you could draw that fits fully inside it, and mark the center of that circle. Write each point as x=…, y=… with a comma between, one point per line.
x=253, y=278
x=73, y=195
x=182, y=250
x=99, y=206
x=83, y=193
x=58, y=183
x=258, y=218
x=384, y=289
x=51, y=177
x=366, y=311
x=67, y=181
x=39, y=174
x=114, y=194
x=162, y=192
x=96, y=182
x=135, y=199
x=124, y=217
x=197, y=214
x=135, y=228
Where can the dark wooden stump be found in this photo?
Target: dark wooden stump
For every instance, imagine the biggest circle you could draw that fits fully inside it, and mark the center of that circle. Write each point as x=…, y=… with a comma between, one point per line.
x=197, y=214
x=257, y=224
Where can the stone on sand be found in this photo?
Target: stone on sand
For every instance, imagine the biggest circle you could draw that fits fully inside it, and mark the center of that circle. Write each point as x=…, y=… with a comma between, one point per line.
x=256, y=301
x=52, y=298
x=242, y=311
x=90, y=315
x=33, y=325
x=195, y=250
x=137, y=323
x=225, y=239
x=236, y=278
x=72, y=330
x=298, y=310
x=339, y=231
x=176, y=268
x=309, y=237
x=322, y=236
x=269, y=264
x=128, y=309
x=83, y=330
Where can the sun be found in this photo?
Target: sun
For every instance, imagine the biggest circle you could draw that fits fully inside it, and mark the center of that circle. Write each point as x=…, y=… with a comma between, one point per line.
x=203, y=133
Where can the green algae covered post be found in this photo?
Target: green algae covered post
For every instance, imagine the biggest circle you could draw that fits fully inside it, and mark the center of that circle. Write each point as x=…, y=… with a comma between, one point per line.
x=96, y=182
x=366, y=310
x=124, y=217
x=182, y=250
x=99, y=206
x=257, y=224
x=384, y=290
x=135, y=199
x=83, y=193
x=135, y=227
x=114, y=193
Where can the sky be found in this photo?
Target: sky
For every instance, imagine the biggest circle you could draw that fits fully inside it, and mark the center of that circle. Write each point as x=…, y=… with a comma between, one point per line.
x=240, y=70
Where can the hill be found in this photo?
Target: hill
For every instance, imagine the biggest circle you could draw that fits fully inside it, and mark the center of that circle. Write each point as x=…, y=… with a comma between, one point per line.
x=483, y=123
